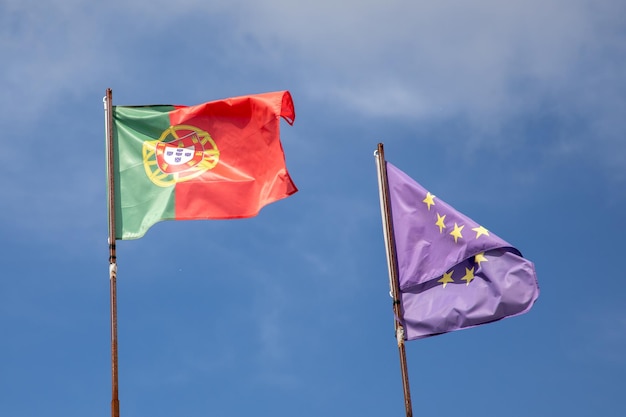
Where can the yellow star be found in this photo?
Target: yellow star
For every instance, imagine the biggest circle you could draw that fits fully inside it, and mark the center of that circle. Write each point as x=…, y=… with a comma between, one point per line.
x=480, y=258
x=440, y=223
x=480, y=231
x=469, y=275
x=457, y=232
x=447, y=277
x=429, y=200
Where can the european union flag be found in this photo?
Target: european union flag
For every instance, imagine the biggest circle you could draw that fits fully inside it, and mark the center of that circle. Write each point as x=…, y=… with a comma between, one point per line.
x=453, y=272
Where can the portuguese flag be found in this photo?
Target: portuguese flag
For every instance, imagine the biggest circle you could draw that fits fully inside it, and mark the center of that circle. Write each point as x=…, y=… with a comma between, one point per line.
x=218, y=160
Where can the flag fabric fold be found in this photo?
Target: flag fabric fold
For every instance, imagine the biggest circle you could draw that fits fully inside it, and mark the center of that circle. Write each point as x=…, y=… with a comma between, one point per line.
x=218, y=160
x=453, y=273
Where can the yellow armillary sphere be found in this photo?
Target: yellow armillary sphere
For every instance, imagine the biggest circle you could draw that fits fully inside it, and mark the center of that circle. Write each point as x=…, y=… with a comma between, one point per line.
x=183, y=152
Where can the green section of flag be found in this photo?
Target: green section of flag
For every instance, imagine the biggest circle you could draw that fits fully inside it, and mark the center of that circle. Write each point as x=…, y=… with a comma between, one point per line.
x=139, y=203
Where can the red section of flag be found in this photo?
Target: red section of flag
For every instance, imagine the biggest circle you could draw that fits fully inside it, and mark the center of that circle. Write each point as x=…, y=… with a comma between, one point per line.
x=251, y=171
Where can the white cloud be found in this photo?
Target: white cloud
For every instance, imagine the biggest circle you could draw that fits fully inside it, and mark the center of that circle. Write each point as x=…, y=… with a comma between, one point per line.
x=49, y=49
x=485, y=60
x=490, y=64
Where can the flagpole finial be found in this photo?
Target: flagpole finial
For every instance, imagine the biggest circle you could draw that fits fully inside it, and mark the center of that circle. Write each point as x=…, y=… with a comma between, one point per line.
x=379, y=150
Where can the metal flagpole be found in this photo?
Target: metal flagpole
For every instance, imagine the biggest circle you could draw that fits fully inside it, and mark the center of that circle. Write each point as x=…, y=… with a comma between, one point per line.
x=392, y=263
x=108, y=114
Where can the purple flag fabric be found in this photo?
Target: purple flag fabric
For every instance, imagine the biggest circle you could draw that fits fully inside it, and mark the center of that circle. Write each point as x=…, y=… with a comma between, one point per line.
x=453, y=272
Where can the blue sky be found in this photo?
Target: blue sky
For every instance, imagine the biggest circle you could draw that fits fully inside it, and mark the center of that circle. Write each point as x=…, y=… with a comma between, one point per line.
x=511, y=113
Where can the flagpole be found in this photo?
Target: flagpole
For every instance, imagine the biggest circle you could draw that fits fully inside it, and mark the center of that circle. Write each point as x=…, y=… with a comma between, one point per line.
x=108, y=114
x=392, y=263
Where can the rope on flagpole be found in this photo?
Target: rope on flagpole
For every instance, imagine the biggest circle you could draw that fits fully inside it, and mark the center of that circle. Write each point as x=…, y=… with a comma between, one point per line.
x=112, y=271
x=400, y=335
